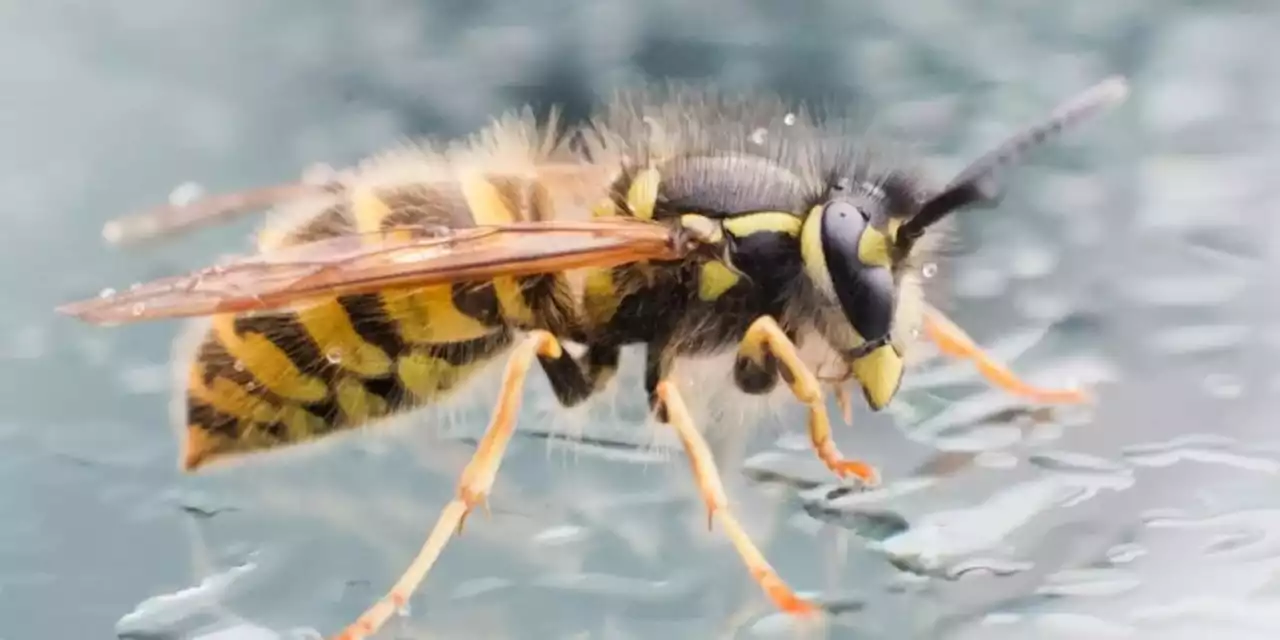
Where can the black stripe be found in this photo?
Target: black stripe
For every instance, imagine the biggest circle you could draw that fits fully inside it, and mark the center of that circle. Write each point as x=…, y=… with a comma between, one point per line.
x=429, y=205
x=477, y=300
x=371, y=322
x=216, y=362
x=205, y=417
x=285, y=331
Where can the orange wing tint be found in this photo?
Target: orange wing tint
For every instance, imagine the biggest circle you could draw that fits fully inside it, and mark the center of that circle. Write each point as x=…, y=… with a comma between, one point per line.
x=403, y=257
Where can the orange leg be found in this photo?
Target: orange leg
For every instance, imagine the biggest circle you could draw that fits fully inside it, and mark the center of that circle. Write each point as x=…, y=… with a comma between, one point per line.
x=712, y=489
x=765, y=336
x=473, y=488
x=953, y=341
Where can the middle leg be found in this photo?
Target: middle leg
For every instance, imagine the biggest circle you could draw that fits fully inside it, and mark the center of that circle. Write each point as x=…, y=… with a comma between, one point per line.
x=712, y=489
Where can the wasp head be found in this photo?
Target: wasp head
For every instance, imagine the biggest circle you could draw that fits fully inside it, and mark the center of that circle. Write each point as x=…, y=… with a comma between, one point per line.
x=856, y=241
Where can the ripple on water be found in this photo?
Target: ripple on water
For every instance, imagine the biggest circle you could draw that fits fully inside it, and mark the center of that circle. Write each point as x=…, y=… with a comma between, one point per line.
x=1205, y=449
x=1199, y=339
x=940, y=539
x=191, y=608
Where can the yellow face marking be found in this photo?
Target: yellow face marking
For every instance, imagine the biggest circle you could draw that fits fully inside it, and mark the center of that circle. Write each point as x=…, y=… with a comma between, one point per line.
x=714, y=279
x=600, y=296
x=642, y=195
x=357, y=404
x=485, y=201
x=511, y=301
x=268, y=363
x=330, y=326
x=426, y=376
x=873, y=246
x=428, y=315
x=774, y=221
x=880, y=374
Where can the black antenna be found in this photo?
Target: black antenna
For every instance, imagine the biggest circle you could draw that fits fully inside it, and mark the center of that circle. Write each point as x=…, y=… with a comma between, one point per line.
x=977, y=183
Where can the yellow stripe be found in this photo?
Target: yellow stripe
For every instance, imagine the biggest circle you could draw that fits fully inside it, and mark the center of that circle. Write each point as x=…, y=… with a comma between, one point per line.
x=428, y=315
x=232, y=399
x=268, y=363
x=511, y=301
x=357, y=404
x=600, y=296
x=426, y=376
x=368, y=209
x=642, y=195
x=776, y=221
x=715, y=279
x=330, y=326
x=815, y=261
x=485, y=201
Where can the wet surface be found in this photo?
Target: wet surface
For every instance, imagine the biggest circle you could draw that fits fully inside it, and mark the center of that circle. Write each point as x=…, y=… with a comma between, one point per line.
x=1135, y=257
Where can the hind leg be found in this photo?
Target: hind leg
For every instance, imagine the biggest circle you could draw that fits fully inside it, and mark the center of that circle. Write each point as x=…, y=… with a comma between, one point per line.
x=572, y=384
x=766, y=350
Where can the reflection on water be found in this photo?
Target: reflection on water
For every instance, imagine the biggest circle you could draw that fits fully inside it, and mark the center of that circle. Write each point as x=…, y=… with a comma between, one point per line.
x=1135, y=258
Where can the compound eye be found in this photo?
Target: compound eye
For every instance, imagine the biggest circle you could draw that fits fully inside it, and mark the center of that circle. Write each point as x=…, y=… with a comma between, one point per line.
x=865, y=291
x=844, y=212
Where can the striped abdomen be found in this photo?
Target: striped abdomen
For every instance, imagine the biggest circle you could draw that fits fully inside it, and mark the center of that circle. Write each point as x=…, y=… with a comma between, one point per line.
x=267, y=380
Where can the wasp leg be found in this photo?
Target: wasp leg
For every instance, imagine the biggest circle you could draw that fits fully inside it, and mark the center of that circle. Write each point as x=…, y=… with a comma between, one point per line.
x=712, y=490
x=476, y=480
x=765, y=340
x=953, y=341
x=657, y=364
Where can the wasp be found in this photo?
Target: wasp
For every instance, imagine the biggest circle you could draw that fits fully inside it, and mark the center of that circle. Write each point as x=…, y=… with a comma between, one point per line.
x=668, y=221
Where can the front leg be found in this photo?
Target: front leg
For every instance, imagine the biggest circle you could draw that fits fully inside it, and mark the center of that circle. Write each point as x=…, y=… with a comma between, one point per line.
x=954, y=342
x=765, y=342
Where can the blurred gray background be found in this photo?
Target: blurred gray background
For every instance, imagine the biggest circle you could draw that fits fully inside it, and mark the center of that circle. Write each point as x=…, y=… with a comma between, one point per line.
x=1135, y=256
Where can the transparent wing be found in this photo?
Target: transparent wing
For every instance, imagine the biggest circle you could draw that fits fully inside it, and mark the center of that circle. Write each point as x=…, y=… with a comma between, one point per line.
x=172, y=219
x=401, y=257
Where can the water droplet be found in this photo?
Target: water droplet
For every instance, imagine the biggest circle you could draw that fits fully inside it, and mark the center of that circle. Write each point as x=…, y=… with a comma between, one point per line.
x=251, y=386
x=237, y=365
x=185, y=193
x=759, y=135
x=404, y=610
x=107, y=293
x=334, y=356
x=789, y=119
x=138, y=309
x=929, y=270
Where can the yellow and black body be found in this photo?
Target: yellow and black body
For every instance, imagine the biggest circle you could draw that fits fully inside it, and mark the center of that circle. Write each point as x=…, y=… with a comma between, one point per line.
x=690, y=223
x=804, y=232
x=802, y=223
